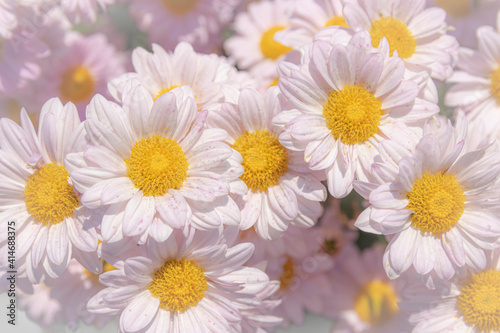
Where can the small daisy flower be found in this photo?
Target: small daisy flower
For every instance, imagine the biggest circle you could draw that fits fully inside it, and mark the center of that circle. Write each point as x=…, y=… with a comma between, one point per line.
x=253, y=46
x=347, y=100
x=365, y=299
x=477, y=88
x=309, y=17
x=162, y=171
x=188, y=284
x=469, y=303
x=39, y=306
x=79, y=72
x=281, y=190
x=36, y=192
x=417, y=33
x=196, y=22
x=84, y=11
x=440, y=206
x=211, y=77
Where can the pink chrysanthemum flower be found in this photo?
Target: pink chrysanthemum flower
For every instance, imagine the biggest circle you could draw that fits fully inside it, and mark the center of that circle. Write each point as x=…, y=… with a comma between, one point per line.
x=79, y=72
x=212, y=79
x=477, y=88
x=281, y=188
x=419, y=34
x=469, y=303
x=36, y=193
x=366, y=300
x=188, y=284
x=153, y=167
x=441, y=206
x=197, y=22
x=345, y=101
x=253, y=46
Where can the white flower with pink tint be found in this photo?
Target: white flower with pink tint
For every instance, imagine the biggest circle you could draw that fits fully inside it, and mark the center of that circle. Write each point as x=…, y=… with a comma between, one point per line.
x=253, y=45
x=344, y=101
x=418, y=34
x=477, y=88
x=309, y=17
x=212, y=79
x=281, y=189
x=197, y=22
x=36, y=192
x=441, y=206
x=467, y=303
x=191, y=283
x=153, y=167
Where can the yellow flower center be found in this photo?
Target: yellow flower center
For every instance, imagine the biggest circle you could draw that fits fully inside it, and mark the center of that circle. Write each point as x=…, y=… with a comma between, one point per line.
x=77, y=84
x=376, y=303
x=48, y=196
x=437, y=202
x=288, y=273
x=270, y=48
x=353, y=114
x=157, y=164
x=397, y=33
x=495, y=84
x=106, y=267
x=180, y=7
x=179, y=284
x=265, y=160
x=275, y=82
x=457, y=8
x=479, y=301
x=164, y=90
x=338, y=20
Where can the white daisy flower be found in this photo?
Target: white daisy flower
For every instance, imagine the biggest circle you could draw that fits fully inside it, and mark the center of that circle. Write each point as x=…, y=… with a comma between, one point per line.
x=253, y=46
x=417, y=33
x=39, y=306
x=260, y=320
x=211, y=77
x=154, y=168
x=188, y=284
x=477, y=91
x=309, y=17
x=281, y=189
x=197, y=22
x=441, y=206
x=36, y=193
x=366, y=300
x=347, y=99
x=469, y=303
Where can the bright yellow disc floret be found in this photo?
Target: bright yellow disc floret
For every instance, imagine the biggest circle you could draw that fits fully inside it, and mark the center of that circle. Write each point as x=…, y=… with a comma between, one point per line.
x=179, y=284
x=48, y=196
x=397, y=33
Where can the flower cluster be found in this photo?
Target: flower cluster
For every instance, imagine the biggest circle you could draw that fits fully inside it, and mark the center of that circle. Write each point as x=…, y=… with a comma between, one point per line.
x=232, y=165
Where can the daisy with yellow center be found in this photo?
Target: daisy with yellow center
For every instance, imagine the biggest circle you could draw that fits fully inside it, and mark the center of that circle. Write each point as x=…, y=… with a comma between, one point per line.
x=470, y=302
x=308, y=18
x=38, y=194
x=432, y=205
x=161, y=174
x=418, y=34
x=280, y=189
x=341, y=107
x=479, y=70
x=367, y=300
x=195, y=282
x=254, y=45
x=207, y=75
